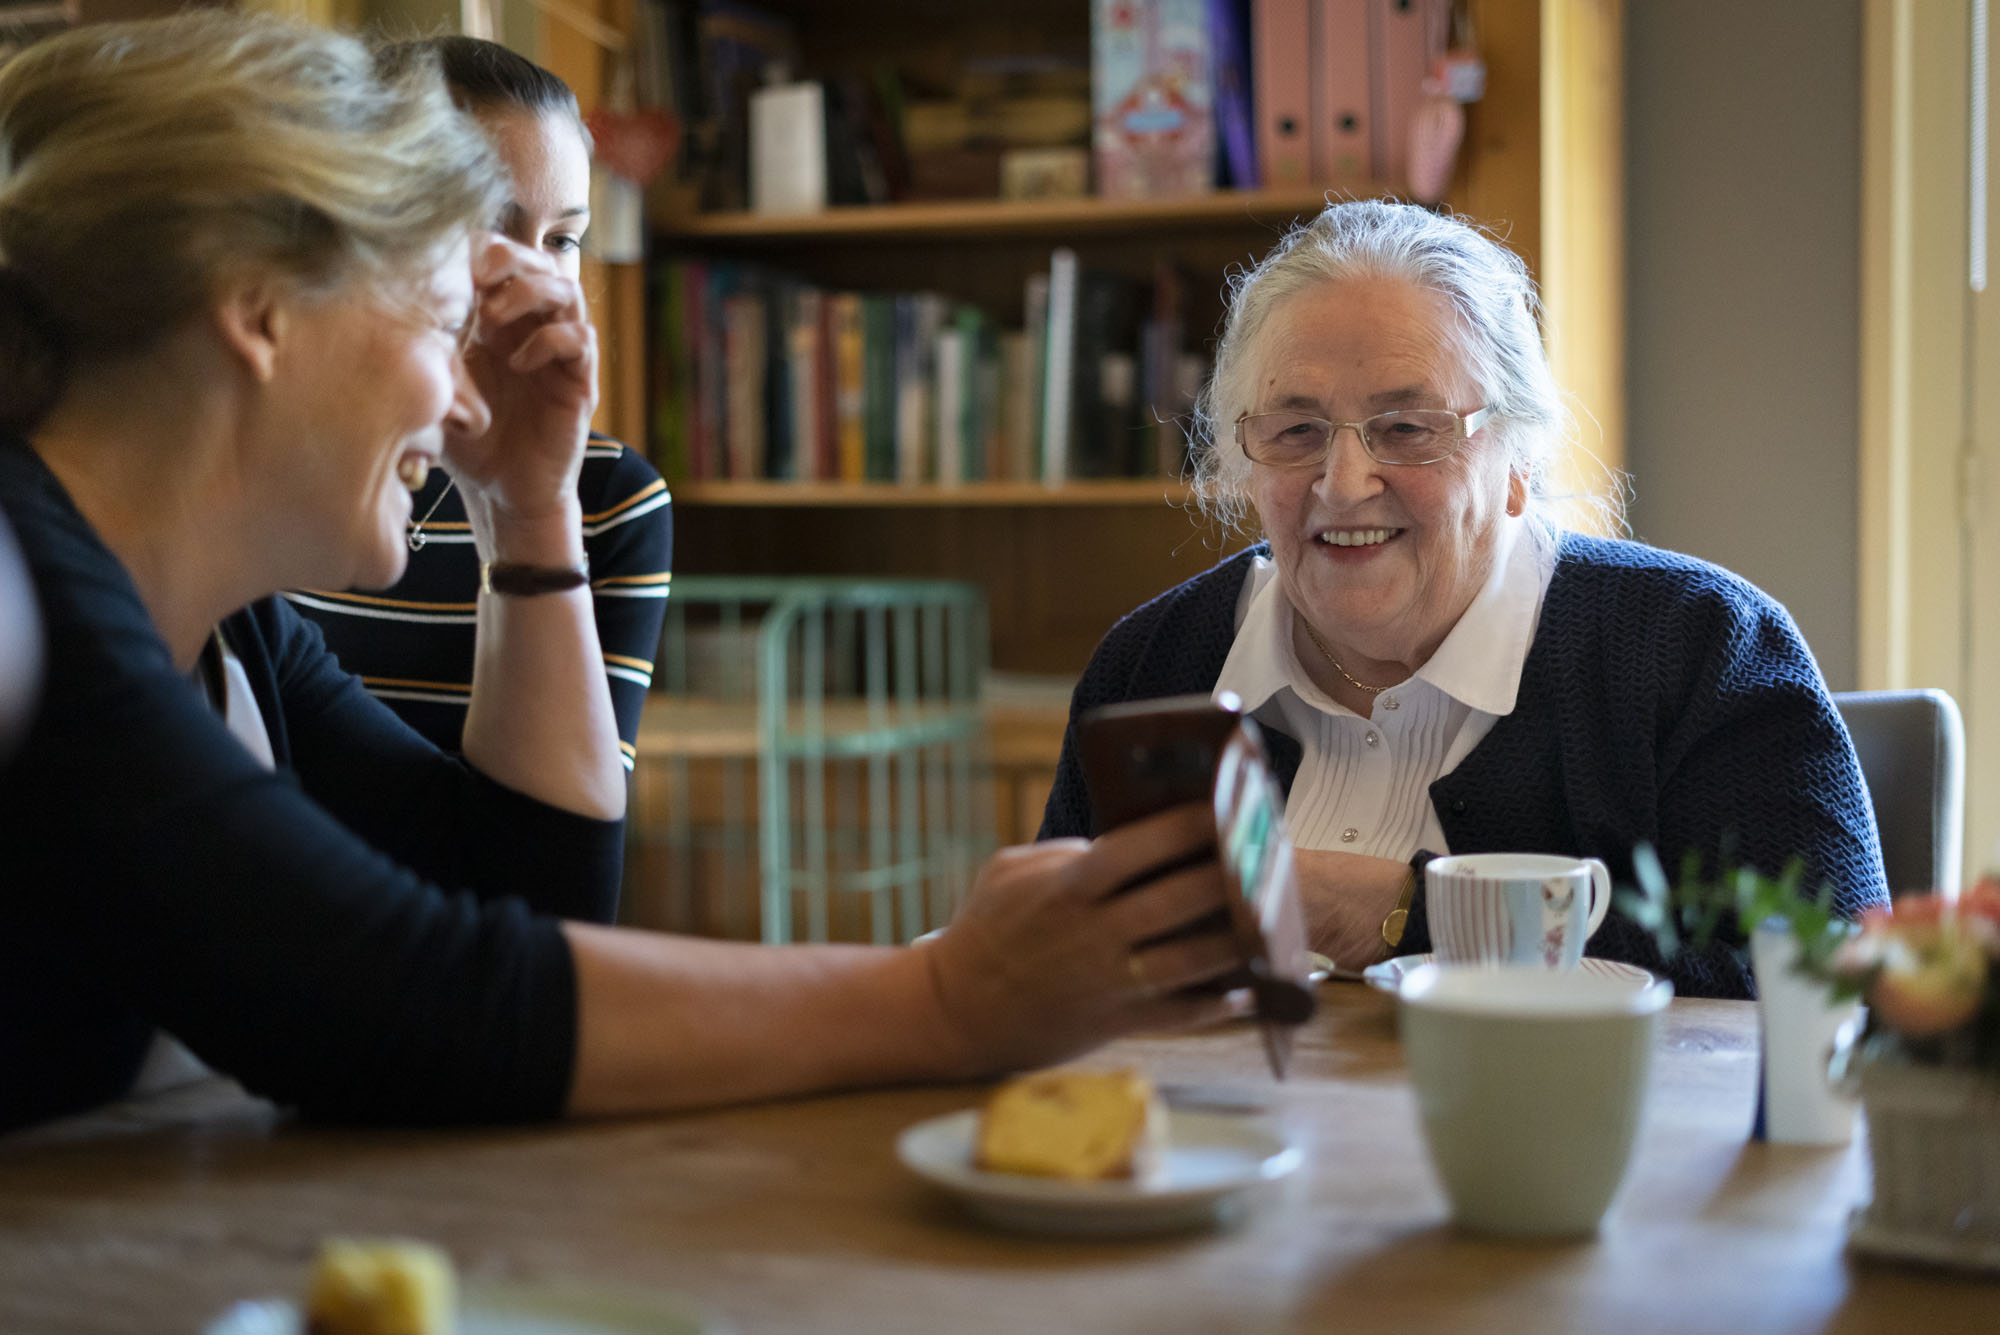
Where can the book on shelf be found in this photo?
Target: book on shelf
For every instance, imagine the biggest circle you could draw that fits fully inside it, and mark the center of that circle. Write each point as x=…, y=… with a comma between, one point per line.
x=919, y=317
x=1343, y=120
x=1281, y=65
x=1106, y=443
x=976, y=407
x=670, y=369
x=878, y=381
x=864, y=159
x=950, y=347
x=665, y=63
x=1229, y=81
x=1059, y=368
x=1035, y=330
x=780, y=295
x=826, y=392
x=1153, y=121
x=850, y=341
x=745, y=357
x=805, y=326
x=1014, y=421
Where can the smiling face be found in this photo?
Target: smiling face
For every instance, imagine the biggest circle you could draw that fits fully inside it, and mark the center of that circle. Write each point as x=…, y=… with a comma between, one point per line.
x=374, y=377
x=550, y=167
x=1382, y=560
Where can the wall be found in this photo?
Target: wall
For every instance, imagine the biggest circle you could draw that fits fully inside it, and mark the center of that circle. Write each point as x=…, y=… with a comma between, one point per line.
x=1743, y=283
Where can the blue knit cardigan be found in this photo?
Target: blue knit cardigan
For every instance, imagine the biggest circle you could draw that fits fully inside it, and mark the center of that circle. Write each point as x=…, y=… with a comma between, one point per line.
x=1663, y=699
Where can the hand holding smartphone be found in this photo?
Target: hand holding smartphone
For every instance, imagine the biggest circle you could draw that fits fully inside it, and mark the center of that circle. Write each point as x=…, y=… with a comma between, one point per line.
x=1141, y=757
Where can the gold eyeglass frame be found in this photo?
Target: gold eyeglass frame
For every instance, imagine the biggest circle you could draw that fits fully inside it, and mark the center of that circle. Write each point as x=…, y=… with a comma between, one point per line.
x=1468, y=424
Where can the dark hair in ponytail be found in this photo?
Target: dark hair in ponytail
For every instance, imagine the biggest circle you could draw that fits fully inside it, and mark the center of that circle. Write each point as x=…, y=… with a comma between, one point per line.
x=484, y=75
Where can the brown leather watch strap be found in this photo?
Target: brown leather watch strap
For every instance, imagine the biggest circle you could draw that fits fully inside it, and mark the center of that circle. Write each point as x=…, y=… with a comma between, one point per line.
x=525, y=581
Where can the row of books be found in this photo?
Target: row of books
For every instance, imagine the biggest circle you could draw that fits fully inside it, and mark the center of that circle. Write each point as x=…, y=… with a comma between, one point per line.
x=759, y=375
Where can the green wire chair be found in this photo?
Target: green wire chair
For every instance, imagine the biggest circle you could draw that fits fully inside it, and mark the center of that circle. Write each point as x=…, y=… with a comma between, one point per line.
x=862, y=699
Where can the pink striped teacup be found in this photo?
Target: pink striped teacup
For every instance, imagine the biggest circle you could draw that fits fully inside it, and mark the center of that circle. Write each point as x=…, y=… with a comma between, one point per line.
x=1514, y=908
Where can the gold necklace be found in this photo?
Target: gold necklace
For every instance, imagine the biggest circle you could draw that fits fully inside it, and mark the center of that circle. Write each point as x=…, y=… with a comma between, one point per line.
x=416, y=536
x=1327, y=654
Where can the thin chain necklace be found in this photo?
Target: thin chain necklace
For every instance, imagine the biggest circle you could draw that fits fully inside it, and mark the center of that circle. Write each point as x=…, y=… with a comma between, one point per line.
x=417, y=538
x=1327, y=654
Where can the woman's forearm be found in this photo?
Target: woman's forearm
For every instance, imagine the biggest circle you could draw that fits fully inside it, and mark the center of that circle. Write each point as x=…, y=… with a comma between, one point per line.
x=540, y=720
x=1051, y=953
x=671, y=1022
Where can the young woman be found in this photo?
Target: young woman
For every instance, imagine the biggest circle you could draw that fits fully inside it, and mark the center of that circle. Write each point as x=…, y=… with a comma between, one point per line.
x=412, y=644
x=243, y=311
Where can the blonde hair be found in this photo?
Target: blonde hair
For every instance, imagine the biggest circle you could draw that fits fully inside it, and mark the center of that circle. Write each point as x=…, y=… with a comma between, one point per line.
x=143, y=163
x=1494, y=327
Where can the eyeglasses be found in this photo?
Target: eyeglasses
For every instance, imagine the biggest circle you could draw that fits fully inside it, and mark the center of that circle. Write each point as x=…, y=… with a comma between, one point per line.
x=1411, y=436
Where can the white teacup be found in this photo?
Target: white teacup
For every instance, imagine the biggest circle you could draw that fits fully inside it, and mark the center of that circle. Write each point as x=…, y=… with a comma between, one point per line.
x=1531, y=1083
x=1514, y=908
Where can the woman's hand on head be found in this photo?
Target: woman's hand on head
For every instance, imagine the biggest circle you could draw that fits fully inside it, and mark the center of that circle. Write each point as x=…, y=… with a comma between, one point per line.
x=1345, y=897
x=1043, y=961
x=531, y=353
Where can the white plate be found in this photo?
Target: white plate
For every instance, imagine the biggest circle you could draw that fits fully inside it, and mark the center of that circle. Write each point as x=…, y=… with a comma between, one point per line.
x=1388, y=975
x=513, y=1309
x=1210, y=1163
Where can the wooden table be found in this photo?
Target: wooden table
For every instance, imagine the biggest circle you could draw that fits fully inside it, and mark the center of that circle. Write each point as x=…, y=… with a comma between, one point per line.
x=797, y=1217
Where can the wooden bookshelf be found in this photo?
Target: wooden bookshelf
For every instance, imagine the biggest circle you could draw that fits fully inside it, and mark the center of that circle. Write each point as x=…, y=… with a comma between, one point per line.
x=1540, y=165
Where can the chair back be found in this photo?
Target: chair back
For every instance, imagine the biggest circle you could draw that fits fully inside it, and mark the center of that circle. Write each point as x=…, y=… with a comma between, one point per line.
x=813, y=761
x=1912, y=750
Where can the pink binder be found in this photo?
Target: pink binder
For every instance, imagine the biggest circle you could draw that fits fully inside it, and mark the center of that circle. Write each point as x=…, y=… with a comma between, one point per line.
x=1340, y=112
x=1280, y=34
x=1398, y=53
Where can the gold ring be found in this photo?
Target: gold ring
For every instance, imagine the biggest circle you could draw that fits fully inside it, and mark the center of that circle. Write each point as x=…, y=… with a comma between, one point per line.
x=1138, y=972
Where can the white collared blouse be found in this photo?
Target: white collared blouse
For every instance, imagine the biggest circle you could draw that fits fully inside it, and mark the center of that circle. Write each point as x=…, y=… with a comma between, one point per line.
x=1363, y=783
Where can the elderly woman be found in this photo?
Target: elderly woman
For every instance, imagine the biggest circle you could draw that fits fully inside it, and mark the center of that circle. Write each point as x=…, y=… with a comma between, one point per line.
x=1438, y=667
x=242, y=311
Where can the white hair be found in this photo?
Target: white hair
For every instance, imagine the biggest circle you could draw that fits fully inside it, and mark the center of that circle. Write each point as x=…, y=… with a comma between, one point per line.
x=1494, y=329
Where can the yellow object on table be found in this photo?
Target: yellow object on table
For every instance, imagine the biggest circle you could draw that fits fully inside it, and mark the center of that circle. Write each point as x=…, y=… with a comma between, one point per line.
x=385, y=1287
x=1082, y=1125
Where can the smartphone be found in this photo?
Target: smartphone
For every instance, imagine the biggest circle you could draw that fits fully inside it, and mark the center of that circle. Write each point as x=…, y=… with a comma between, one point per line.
x=1263, y=900
x=1141, y=757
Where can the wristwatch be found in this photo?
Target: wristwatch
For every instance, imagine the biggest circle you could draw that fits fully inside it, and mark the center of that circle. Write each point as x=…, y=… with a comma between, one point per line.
x=526, y=581
x=1392, y=926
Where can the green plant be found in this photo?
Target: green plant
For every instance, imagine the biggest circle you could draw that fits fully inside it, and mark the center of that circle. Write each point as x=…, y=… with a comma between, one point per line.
x=1688, y=912
x=1927, y=967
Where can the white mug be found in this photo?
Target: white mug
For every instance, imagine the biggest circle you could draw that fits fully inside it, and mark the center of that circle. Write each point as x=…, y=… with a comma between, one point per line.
x=1515, y=908
x=1532, y=1086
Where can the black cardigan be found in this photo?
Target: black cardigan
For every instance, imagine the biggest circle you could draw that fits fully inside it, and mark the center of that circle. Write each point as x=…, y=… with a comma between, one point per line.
x=356, y=934
x=1663, y=699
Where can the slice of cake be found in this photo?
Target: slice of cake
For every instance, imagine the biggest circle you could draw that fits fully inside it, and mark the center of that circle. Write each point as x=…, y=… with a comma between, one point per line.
x=385, y=1287
x=1082, y=1125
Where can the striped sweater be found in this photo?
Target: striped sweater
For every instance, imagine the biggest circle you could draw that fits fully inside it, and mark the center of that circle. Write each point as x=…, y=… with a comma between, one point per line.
x=411, y=645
